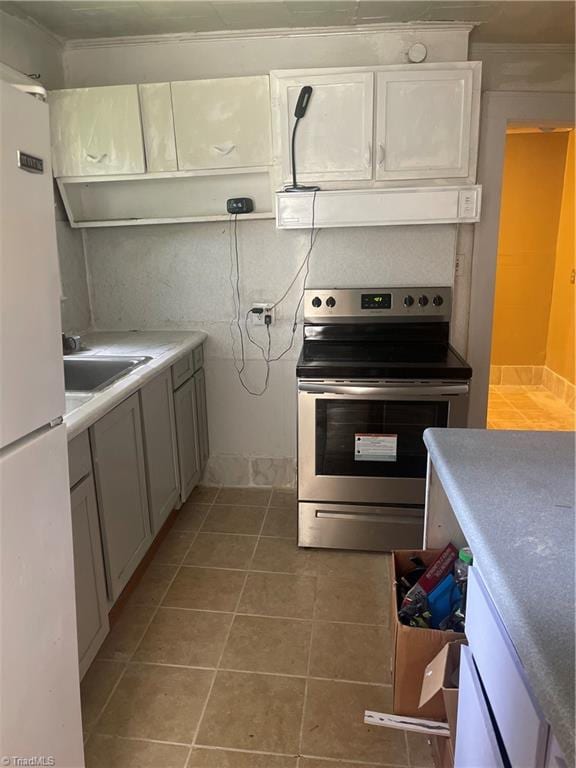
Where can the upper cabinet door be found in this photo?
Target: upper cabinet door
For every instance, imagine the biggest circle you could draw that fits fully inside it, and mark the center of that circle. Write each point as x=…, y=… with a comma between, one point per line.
x=158, y=127
x=222, y=123
x=334, y=138
x=427, y=122
x=96, y=131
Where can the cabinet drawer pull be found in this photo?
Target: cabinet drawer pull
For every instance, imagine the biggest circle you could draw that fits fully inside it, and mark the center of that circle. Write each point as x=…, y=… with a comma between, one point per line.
x=369, y=154
x=380, y=155
x=224, y=149
x=96, y=158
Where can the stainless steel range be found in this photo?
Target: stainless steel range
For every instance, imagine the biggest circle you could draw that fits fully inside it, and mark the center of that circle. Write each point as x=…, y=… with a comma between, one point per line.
x=376, y=370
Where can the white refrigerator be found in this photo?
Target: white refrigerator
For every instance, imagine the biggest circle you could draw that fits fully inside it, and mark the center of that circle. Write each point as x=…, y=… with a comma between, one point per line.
x=39, y=680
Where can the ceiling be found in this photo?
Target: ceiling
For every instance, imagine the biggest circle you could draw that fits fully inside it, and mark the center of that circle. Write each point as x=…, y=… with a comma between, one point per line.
x=501, y=21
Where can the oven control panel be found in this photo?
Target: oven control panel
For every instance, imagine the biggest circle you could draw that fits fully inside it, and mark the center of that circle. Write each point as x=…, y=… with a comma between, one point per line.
x=349, y=304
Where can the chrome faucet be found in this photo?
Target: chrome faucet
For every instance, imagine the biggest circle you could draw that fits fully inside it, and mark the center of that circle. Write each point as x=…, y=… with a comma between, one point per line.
x=70, y=344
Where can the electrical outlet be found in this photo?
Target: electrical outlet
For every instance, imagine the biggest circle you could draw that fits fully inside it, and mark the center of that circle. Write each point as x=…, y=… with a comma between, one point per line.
x=257, y=318
x=459, y=267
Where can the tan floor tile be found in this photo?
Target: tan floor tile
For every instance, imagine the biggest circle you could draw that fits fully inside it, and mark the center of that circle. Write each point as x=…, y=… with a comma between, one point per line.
x=334, y=723
x=222, y=550
x=251, y=711
x=174, y=547
x=281, y=556
x=190, y=517
x=112, y=752
x=360, y=602
x=126, y=633
x=220, y=758
x=205, y=589
x=153, y=584
x=259, y=644
x=203, y=494
x=317, y=762
x=281, y=521
x=351, y=652
x=366, y=566
x=157, y=702
x=284, y=497
x=234, y=519
x=275, y=594
x=192, y=638
x=419, y=751
x=95, y=688
x=253, y=497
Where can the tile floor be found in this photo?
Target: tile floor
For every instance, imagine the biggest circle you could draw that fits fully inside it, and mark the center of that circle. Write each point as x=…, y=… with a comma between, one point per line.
x=527, y=407
x=239, y=650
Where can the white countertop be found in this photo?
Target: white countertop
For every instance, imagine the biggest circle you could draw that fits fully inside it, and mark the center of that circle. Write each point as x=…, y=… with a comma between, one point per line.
x=164, y=347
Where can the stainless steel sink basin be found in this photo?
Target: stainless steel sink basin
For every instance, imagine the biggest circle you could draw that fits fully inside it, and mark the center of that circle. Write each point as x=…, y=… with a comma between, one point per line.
x=93, y=374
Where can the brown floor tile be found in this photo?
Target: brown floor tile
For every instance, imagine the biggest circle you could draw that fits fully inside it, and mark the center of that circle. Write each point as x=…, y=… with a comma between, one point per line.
x=351, y=652
x=234, y=519
x=220, y=758
x=190, y=517
x=419, y=751
x=317, y=762
x=281, y=556
x=190, y=638
x=112, y=752
x=203, y=494
x=251, y=711
x=174, y=547
x=157, y=702
x=153, y=584
x=334, y=723
x=275, y=594
x=205, y=589
x=126, y=633
x=222, y=550
x=360, y=602
x=259, y=644
x=255, y=497
x=351, y=565
x=281, y=521
x=284, y=497
x=95, y=688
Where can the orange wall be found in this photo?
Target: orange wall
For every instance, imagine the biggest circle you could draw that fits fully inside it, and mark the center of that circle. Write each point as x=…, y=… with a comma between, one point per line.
x=560, y=350
x=531, y=199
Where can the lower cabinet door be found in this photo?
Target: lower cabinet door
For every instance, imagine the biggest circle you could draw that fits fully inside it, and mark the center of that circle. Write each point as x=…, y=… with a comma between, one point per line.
x=476, y=741
x=187, y=437
x=202, y=416
x=120, y=476
x=160, y=448
x=89, y=577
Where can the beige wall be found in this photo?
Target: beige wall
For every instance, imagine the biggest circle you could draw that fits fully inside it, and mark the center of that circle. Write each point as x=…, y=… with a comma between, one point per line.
x=30, y=50
x=531, y=197
x=561, y=341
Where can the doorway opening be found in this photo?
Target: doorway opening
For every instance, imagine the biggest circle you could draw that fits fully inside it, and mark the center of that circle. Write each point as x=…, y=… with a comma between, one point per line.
x=532, y=368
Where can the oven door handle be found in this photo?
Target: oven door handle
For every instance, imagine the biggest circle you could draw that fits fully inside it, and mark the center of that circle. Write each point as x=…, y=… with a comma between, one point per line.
x=382, y=391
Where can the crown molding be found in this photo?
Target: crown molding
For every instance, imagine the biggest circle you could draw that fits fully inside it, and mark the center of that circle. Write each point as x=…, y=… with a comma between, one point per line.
x=479, y=49
x=28, y=21
x=248, y=34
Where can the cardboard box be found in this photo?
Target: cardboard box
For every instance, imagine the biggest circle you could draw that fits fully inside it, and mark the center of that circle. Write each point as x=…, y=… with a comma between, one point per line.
x=442, y=752
x=414, y=647
x=440, y=683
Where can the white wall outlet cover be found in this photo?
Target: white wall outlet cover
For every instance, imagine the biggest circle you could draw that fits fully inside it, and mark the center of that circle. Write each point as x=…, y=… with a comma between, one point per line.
x=267, y=309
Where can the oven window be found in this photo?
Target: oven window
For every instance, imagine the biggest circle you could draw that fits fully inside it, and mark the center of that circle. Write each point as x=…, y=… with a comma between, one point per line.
x=374, y=438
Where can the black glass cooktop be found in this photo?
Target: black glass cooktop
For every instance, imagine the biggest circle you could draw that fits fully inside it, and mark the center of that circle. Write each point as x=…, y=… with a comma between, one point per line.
x=348, y=352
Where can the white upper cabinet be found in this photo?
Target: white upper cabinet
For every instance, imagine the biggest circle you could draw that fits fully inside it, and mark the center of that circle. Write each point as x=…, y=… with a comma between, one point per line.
x=427, y=121
x=222, y=123
x=158, y=127
x=334, y=138
x=96, y=131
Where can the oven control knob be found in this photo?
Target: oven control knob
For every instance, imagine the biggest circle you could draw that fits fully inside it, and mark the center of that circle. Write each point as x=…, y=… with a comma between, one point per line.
x=408, y=301
x=437, y=301
x=423, y=301
x=330, y=302
x=316, y=302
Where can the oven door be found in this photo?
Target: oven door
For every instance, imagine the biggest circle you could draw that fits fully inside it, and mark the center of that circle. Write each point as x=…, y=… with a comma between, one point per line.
x=361, y=442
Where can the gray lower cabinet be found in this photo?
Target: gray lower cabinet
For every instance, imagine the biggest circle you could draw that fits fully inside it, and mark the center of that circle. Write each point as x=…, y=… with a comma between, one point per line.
x=160, y=448
x=202, y=416
x=90, y=580
x=120, y=477
x=187, y=437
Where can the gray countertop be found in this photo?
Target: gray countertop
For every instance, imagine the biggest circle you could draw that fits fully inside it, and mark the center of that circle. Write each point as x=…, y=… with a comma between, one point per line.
x=513, y=495
x=164, y=347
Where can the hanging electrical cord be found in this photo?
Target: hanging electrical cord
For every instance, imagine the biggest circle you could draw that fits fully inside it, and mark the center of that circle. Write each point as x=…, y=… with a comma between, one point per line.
x=235, y=321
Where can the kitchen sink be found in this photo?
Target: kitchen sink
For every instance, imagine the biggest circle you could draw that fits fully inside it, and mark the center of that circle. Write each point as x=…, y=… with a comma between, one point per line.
x=93, y=374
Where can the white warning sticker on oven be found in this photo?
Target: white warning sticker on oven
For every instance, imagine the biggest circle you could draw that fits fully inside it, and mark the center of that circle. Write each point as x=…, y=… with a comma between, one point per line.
x=375, y=447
